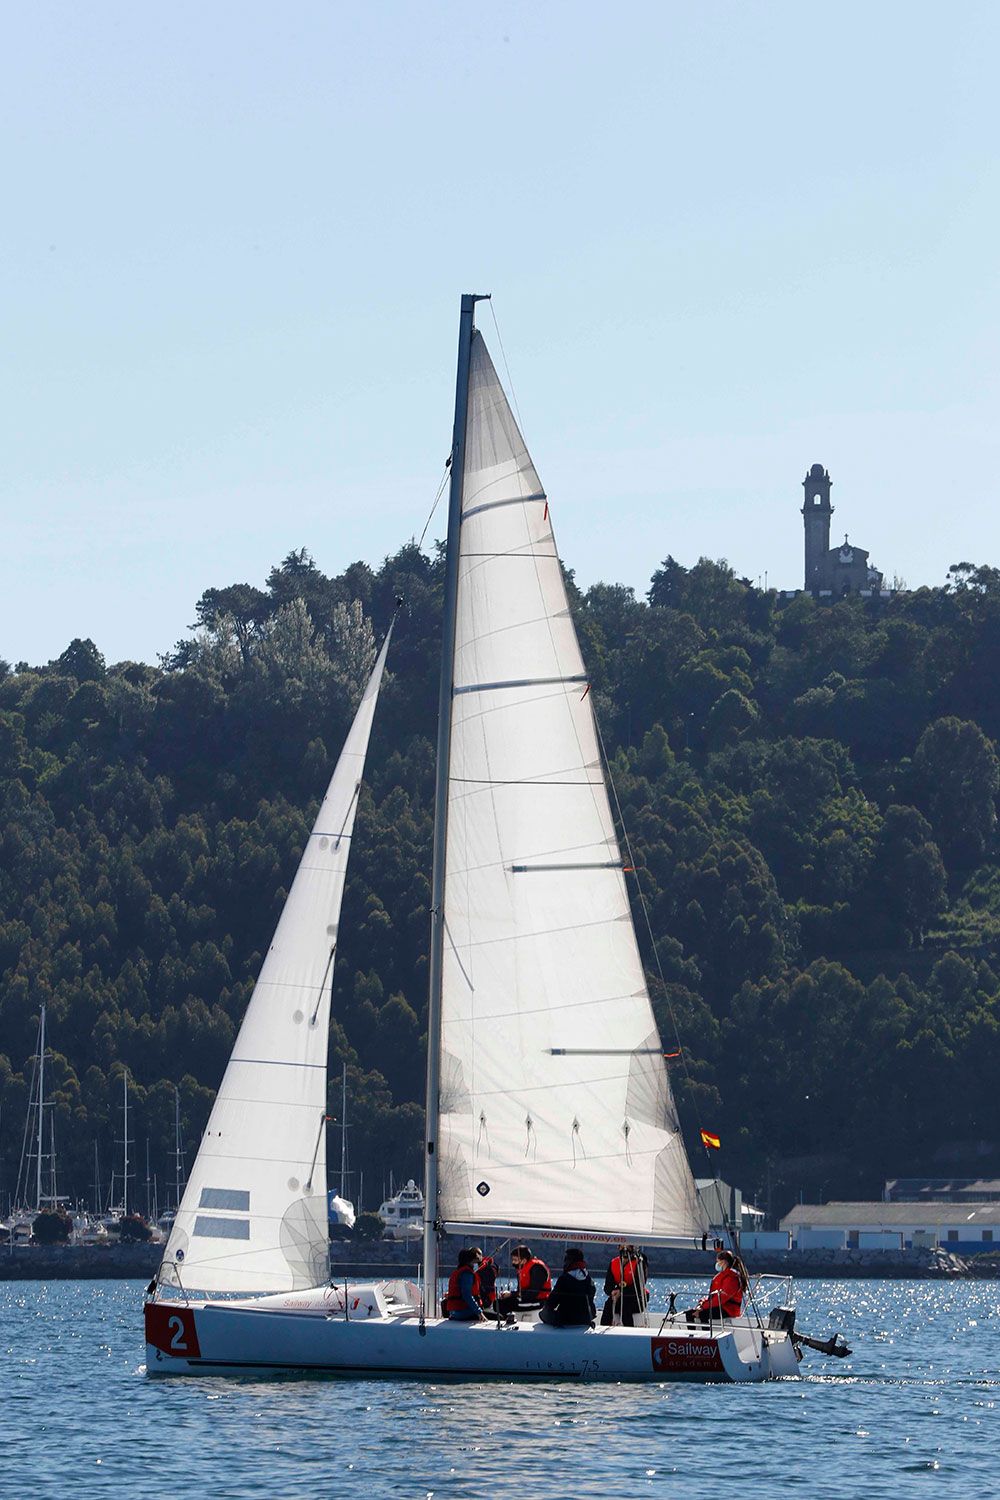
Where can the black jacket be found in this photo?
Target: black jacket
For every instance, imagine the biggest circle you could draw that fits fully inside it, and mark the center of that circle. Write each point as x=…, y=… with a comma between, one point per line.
x=572, y=1299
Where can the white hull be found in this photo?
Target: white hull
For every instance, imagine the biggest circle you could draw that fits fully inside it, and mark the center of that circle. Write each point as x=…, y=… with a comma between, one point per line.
x=301, y=1335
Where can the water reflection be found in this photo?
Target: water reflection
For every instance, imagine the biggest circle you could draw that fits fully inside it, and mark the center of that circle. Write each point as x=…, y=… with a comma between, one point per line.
x=916, y=1403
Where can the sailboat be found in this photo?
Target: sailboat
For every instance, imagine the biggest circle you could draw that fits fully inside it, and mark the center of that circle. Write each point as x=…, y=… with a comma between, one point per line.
x=549, y=1109
x=19, y=1228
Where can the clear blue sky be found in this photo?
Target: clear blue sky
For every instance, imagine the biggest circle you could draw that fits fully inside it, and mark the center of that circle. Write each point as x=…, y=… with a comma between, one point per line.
x=725, y=240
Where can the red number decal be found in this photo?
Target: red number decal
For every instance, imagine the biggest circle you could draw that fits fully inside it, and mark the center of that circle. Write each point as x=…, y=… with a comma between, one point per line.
x=172, y=1330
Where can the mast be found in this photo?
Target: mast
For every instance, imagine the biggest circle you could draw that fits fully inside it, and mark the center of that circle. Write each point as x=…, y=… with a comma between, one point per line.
x=430, y=1247
x=343, y=1127
x=125, y=1145
x=178, y=1155
x=41, y=1112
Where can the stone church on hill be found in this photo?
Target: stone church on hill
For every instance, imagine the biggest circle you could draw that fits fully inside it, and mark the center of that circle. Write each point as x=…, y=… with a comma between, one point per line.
x=832, y=571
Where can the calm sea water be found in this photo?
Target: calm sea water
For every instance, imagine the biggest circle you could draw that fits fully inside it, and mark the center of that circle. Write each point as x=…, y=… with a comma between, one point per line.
x=916, y=1411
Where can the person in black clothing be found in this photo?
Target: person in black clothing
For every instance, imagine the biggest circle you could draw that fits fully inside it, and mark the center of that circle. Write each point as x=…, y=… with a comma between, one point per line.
x=573, y=1300
x=487, y=1277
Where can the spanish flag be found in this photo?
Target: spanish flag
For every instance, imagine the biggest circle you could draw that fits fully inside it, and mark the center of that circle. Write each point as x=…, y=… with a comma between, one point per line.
x=712, y=1141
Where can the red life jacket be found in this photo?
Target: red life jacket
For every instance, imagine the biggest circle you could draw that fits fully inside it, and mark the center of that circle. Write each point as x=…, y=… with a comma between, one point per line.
x=526, y=1290
x=631, y=1267
x=725, y=1295
x=453, y=1301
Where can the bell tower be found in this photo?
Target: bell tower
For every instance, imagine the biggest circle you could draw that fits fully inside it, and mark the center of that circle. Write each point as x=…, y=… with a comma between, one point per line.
x=816, y=513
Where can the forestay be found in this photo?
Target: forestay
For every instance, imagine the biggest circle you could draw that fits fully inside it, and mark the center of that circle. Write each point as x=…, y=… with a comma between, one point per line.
x=254, y=1213
x=556, y=1109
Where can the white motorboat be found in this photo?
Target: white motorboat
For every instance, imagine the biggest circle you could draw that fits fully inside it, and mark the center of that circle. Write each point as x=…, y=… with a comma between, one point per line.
x=88, y=1230
x=549, y=1107
x=17, y=1230
x=403, y=1213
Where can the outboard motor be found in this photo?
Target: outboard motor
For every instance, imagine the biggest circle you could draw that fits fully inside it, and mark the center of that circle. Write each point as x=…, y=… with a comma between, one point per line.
x=782, y=1320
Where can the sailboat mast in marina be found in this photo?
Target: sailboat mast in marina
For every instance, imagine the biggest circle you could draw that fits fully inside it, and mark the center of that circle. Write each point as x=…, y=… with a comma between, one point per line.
x=33, y=1141
x=41, y=1106
x=549, y=1110
x=125, y=1144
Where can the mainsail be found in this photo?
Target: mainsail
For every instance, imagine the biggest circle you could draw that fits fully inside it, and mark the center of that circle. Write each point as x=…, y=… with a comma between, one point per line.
x=254, y=1212
x=556, y=1108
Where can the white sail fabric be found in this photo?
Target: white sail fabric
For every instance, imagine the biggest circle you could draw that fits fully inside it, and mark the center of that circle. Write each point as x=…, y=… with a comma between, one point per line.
x=556, y=1109
x=254, y=1212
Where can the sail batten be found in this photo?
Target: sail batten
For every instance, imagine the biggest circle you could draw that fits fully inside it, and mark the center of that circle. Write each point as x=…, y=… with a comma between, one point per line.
x=556, y=1108
x=264, y=1145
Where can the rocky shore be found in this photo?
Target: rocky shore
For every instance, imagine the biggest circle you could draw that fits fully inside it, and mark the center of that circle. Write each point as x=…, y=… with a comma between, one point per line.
x=348, y=1258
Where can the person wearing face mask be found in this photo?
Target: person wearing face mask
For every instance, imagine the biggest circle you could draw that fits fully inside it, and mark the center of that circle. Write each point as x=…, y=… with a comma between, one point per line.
x=625, y=1287
x=486, y=1279
x=725, y=1295
x=534, y=1282
x=462, y=1301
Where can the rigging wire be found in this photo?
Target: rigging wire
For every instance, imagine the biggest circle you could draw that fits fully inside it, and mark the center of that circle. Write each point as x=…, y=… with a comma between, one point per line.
x=434, y=506
x=510, y=382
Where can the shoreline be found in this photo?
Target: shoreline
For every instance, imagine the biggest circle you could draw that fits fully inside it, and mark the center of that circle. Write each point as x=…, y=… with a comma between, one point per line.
x=374, y=1261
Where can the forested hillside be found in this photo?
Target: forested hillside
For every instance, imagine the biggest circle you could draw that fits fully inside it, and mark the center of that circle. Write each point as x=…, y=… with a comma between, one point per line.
x=810, y=792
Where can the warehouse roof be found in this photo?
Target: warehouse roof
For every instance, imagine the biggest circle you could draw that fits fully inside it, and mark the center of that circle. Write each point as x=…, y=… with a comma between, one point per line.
x=890, y=1215
x=943, y=1189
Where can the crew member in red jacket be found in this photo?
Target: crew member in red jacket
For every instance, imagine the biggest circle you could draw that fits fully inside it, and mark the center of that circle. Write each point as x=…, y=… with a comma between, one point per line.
x=533, y=1282
x=725, y=1295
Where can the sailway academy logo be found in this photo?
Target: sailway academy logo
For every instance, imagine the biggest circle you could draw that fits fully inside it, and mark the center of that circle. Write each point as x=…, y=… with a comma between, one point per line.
x=692, y=1356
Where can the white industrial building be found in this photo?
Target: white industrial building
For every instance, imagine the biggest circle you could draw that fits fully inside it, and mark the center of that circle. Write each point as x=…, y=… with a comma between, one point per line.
x=724, y=1206
x=966, y=1228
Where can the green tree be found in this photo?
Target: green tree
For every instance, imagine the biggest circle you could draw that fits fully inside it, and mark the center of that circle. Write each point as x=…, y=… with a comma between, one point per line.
x=907, y=885
x=133, y=1230
x=957, y=778
x=368, y=1227
x=51, y=1227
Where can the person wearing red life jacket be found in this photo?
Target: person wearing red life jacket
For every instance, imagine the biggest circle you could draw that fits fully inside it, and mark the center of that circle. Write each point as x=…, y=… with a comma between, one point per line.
x=625, y=1286
x=725, y=1295
x=533, y=1282
x=461, y=1301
